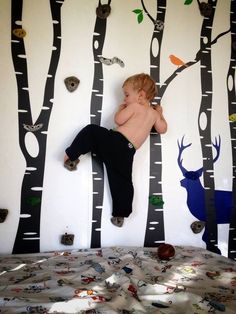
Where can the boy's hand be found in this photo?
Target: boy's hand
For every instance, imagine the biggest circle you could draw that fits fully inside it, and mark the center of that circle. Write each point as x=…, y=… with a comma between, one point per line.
x=121, y=107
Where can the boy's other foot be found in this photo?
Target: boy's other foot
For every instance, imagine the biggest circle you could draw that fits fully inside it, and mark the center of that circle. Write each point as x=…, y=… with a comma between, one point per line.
x=117, y=221
x=71, y=165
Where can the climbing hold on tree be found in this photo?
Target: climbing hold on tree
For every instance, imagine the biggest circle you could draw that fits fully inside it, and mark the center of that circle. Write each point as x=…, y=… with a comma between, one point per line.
x=232, y=117
x=67, y=239
x=108, y=61
x=71, y=165
x=159, y=25
x=71, y=83
x=103, y=10
x=19, y=32
x=33, y=128
x=205, y=9
x=3, y=214
x=197, y=226
x=156, y=200
x=34, y=200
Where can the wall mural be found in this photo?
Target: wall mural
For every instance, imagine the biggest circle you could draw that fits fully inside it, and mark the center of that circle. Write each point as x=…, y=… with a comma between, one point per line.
x=28, y=233
x=208, y=205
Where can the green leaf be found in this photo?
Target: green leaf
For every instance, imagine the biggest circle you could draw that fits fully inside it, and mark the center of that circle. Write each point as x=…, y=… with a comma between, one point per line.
x=188, y=2
x=140, y=17
x=137, y=11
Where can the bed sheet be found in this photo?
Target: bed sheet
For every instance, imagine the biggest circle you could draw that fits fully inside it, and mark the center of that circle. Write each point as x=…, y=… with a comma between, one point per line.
x=118, y=280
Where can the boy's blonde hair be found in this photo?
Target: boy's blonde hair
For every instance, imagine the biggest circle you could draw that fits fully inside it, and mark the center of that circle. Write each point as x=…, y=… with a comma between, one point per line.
x=143, y=82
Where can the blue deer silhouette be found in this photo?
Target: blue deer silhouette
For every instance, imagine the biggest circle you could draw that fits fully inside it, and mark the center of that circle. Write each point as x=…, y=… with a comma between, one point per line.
x=196, y=192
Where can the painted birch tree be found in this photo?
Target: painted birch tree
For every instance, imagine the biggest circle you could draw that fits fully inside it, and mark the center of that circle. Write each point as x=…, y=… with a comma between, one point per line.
x=205, y=133
x=28, y=233
x=154, y=234
x=232, y=118
x=95, y=112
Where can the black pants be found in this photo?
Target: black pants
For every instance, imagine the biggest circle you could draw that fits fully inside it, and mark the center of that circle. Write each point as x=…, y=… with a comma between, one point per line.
x=117, y=154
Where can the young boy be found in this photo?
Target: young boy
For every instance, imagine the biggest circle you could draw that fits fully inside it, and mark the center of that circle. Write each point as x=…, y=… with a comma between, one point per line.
x=116, y=148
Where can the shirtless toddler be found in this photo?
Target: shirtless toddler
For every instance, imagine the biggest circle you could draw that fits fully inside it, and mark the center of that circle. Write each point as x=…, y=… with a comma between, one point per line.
x=116, y=148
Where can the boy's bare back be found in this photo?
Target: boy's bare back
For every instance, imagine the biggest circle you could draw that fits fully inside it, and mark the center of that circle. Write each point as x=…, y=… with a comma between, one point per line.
x=136, y=120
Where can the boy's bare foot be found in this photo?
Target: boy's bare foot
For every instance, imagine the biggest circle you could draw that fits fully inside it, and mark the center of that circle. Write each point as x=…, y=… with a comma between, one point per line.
x=71, y=165
x=117, y=221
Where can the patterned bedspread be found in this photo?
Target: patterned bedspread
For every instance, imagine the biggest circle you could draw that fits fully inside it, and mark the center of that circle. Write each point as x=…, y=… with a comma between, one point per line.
x=118, y=280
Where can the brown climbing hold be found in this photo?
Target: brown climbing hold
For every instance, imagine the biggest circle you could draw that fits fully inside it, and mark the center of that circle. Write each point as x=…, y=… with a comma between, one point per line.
x=67, y=239
x=71, y=83
x=19, y=32
x=103, y=10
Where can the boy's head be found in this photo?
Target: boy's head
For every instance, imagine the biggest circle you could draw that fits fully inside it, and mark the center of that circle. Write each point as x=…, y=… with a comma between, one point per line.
x=142, y=82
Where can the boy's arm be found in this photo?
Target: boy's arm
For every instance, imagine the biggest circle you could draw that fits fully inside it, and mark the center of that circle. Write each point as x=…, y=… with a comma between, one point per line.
x=160, y=124
x=123, y=114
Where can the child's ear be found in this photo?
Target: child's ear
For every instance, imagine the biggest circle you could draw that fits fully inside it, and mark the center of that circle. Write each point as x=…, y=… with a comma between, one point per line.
x=142, y=94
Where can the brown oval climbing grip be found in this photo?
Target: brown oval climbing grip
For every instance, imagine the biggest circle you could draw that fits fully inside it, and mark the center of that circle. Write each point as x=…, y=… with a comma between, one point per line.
x=19, y=32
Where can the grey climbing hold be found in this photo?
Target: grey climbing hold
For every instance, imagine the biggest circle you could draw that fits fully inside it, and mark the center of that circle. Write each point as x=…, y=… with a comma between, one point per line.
x=71, y=83
x=159, y=25
x=197, y=226
x=108, y=61
x=33, y=128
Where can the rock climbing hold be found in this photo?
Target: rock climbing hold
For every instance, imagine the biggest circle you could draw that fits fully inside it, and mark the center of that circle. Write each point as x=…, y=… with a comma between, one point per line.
x=159, y=25
x=67, y=239
x=19, y=32
x=103, y=10
x=232, y=117
x=33, y=128
x=156, y=200
x=3, y=214
x=71, y=165
x=205, y=9
x=197, y=226
x=33, y=200
x=71, y=83
x=108, y=61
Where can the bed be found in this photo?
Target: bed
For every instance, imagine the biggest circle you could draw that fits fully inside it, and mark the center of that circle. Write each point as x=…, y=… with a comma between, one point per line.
x=118, y=280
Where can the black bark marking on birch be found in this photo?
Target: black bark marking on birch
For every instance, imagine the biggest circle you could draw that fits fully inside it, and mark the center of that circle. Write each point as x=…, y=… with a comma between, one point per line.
x=95, y=110
x=232, y=125
x=154, y=234
x=28, y=233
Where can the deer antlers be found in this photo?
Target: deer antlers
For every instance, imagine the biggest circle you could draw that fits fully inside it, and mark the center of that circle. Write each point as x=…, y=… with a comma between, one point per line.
x=182, y=147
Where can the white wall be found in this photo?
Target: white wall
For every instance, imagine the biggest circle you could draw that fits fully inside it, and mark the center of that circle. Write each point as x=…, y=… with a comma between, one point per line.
x=67, y=198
